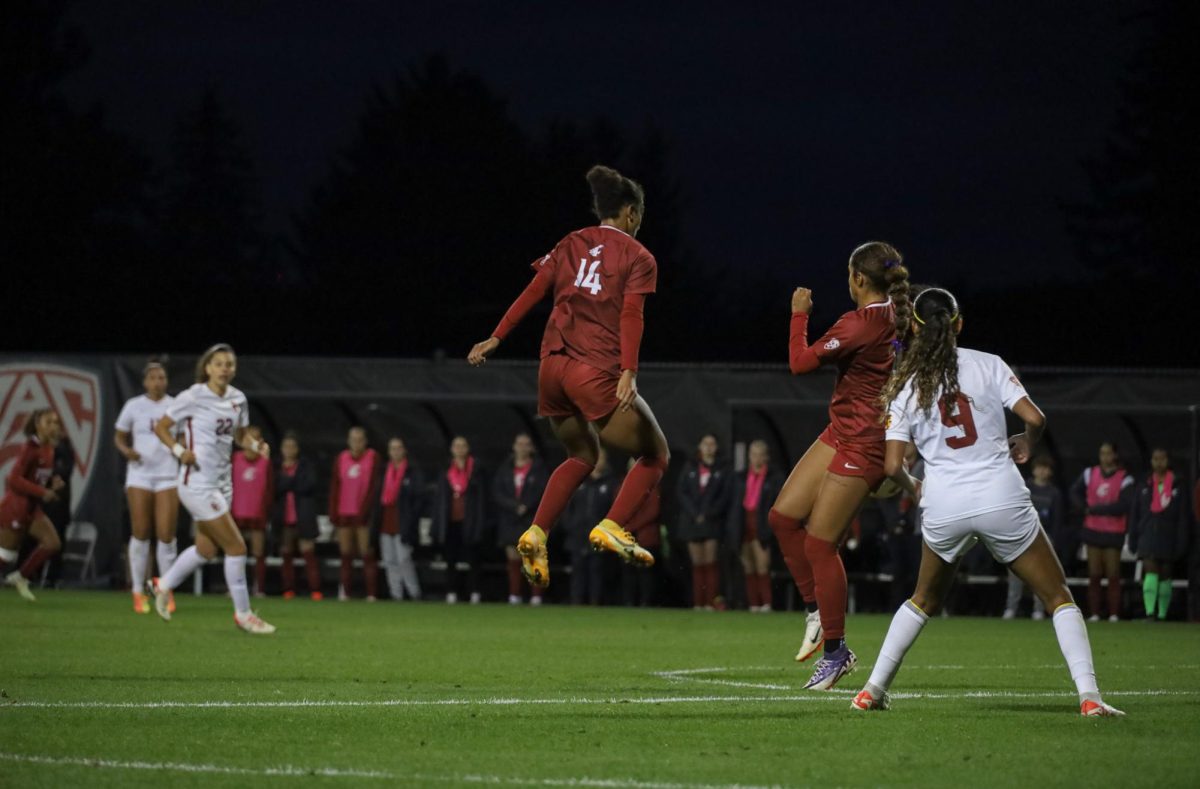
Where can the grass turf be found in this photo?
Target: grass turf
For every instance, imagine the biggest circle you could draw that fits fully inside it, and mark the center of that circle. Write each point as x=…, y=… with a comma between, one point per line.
x=432, y=695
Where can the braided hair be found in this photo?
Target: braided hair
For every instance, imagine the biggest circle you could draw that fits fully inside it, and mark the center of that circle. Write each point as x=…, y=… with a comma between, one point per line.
x=931, y=360
x=883, y=266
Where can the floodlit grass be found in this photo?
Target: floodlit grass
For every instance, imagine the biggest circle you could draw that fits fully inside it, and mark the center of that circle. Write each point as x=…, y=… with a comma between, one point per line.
x=354, y=694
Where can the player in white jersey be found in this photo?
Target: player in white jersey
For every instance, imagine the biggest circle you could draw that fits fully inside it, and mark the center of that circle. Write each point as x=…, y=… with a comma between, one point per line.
x=950, y=402
x=211, y=416
x=149, y=482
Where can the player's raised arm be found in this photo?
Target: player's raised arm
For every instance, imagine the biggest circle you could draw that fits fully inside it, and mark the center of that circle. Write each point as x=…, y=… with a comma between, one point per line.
x=537, y=289
x=801, y=357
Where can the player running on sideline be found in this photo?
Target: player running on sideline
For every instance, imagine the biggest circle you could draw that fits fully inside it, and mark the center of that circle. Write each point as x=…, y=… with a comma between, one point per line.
x=950, y=401
x=828, y=486
x=150, y=482
x=214, y=416
x=30, y=483
x=587, y=382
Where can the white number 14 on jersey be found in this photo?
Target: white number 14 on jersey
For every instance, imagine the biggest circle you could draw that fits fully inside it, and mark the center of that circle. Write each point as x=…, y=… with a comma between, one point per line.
x=589, y=277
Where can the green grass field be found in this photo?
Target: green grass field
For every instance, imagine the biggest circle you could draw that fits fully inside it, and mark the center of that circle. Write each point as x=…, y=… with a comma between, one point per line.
x=350, y=694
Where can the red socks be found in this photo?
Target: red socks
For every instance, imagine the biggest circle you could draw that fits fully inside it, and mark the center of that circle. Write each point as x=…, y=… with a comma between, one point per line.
x=561, y=485
x=347, y=574
x=514, y=577
x=764, y=589
x=35, y=561
x=371, y=572
x=830, y=576
x=313, y=571
x=753, y=591
x=288, y=572
x=260, y=575
x=706, y=578
x=640, y=480
x=790, y=534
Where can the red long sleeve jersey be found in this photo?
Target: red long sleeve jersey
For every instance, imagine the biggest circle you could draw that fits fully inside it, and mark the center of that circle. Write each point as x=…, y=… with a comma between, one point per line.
x=591, y=272
x=27, y=483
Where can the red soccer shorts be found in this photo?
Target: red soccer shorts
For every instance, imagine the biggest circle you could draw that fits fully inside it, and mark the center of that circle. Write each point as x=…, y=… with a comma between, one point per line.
x=567, y=387
x=855, y=460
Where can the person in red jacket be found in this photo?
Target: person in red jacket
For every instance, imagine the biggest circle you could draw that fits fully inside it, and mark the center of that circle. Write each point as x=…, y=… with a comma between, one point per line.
x=599, y=278
x=30, y=484
x=253, y=496
x=353, y=487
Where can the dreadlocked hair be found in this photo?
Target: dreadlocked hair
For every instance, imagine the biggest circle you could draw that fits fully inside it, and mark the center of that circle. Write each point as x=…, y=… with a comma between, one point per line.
x=883, y=266
x=931, y=360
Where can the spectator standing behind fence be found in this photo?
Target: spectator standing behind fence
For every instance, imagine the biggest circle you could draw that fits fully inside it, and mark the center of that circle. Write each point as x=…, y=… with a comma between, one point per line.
x=593, y=498
x=702, y=494
x=460, y=518
x=1047, y=500
x=1158, y=531
x=747, y=532
x=1105, y=494
x=253, y=497
x=517, y=487
x=150, y=482
x=352, y=493
x=401, y=502
x=296, y=515
x=639, y=581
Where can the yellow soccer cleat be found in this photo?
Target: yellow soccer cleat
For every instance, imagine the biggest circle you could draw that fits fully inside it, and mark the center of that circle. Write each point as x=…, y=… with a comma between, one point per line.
x=535, y=563
x=141, y=603
x=608, y=536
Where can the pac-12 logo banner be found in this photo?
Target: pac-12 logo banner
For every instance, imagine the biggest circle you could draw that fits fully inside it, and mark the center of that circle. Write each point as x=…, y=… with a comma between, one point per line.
x=73, y=393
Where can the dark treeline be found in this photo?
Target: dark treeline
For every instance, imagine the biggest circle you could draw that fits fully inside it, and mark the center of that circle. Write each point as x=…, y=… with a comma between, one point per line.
x=416, y=239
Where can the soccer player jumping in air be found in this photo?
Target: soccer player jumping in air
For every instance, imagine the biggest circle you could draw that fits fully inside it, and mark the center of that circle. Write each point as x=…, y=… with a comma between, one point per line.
x=827, y=487
x=950, y=401
x=587, y=382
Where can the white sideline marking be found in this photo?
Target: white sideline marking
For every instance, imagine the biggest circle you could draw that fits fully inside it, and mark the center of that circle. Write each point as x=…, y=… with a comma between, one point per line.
x=335, y=772
x=837, y=695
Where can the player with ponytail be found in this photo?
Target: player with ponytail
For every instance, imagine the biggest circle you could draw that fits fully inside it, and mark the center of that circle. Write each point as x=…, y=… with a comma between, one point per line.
x=845, y=464
x=951, y=403
x=599, y=278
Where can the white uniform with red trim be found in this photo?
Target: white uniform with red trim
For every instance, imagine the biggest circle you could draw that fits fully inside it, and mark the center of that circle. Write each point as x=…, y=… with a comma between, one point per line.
x=208, y=422
x=972, y=488
x=156, y=470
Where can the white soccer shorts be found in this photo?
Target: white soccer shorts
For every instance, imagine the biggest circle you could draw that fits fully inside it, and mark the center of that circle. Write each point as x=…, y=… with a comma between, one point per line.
x=1006, y=533
x=204, y=504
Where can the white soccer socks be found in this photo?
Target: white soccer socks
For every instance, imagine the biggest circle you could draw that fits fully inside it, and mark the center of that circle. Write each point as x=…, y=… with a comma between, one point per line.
x=902, y=634
x=181, y=568
x=139, y=555
x=1073, y=641
x=165, y=553
x=235, y=579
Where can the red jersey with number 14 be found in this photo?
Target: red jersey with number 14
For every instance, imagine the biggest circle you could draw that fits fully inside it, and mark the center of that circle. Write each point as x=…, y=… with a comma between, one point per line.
x=860, y=345
x=592, y=270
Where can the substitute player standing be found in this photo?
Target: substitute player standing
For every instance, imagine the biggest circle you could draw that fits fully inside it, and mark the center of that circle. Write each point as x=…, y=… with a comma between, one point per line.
x=587, y=380
x=30, y=483
x=150, y=480
x=950, y=402
x=213, y=416
x=827, y=487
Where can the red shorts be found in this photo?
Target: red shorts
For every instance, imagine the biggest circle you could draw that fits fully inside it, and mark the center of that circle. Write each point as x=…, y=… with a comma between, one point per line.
x=567, y=387
x=251, y=524
x=855, y=460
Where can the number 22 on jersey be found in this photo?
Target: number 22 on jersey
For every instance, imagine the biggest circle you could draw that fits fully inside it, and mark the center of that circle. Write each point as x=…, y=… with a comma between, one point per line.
x=589, y=276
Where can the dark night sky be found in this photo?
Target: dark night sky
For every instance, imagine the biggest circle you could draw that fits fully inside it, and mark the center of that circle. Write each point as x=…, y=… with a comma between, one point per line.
x=951, y=129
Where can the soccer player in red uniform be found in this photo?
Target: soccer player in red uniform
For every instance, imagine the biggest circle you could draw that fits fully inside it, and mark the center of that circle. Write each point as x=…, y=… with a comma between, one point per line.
x=587, y=382
x=826, y=488
x=30, y=483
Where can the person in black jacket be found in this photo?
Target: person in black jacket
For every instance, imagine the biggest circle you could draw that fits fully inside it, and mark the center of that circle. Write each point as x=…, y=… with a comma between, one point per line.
x=460, y=518
x=296, y=514
x=592, y=499
x=703, y=497
x=397, y=516
x=747, y=532
x=1158, y=531
x=517, y=488
x=1048, y=501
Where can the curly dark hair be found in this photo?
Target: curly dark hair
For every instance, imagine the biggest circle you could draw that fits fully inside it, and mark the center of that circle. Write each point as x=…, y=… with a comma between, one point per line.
x=931, y=360
x=883, y=266
x=612, y=191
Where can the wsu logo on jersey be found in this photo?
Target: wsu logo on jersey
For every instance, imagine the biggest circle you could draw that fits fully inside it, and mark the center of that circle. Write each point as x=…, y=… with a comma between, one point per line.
x=70, y=391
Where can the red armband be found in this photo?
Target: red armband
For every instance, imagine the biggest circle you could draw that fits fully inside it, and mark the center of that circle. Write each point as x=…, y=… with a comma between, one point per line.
x=801, y=358
x=632, y=325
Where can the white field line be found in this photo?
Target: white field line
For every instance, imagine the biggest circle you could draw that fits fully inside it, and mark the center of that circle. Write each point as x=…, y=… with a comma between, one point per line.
x=826, y=696
x=293, y=771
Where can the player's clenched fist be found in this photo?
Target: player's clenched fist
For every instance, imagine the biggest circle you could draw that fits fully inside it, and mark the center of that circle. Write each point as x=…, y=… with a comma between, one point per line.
x=801, y=301
x=481, y=351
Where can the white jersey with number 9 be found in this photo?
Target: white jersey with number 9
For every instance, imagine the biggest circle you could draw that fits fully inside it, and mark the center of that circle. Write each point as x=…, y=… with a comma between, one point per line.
x=968, y=469
x=208, y=422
